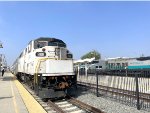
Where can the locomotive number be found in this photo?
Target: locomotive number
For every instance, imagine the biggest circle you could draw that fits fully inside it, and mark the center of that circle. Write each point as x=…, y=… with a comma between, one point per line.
x=40, y=54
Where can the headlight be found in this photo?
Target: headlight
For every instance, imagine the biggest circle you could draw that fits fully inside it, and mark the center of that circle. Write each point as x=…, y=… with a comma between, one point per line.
x=44, y=78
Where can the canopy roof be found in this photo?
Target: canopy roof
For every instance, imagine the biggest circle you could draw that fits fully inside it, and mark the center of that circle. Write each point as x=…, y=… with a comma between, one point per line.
x=84, y=60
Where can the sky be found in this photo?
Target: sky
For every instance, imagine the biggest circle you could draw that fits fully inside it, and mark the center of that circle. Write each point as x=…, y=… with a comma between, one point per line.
x=114, y=29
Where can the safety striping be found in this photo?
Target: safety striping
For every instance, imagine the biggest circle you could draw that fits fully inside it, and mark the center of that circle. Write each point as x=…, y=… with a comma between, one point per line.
x=14, y=98
x=32, y=105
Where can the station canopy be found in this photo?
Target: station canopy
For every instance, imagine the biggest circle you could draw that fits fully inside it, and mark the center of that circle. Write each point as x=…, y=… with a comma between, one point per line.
x=87, y=60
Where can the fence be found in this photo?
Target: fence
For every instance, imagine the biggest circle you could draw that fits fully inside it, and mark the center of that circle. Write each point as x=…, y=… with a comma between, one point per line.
x=131, y=87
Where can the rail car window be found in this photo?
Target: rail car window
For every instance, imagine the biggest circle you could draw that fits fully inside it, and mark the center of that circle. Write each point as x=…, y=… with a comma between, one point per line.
x=112, y=65
x=123, y=64
x=29, y=48
x=126, y=64
x=98, y=67
x=26, y=50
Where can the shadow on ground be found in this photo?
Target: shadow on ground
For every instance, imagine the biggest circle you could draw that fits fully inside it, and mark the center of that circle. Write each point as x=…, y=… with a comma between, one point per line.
x=7, y=78
x=5, y=97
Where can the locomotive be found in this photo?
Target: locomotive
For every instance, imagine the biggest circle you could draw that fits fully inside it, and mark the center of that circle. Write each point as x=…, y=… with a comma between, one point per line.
x=46, y=65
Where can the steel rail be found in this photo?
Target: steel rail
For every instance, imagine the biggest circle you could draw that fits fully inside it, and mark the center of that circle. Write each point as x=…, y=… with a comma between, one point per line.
x=55, y=107
x=84, y=105
x=112, y=88
x=122, y=92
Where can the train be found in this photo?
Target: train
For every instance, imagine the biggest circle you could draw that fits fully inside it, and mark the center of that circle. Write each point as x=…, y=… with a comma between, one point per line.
x=114, y=65
x=128, y=63
x=139, y=63
x=46, y=65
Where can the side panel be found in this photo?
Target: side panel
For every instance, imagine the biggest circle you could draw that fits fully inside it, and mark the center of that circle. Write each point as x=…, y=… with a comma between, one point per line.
x=42, y=67
x=30, y=63
x=139, y=67
x=21, y=64
x=59, y=66
x=135, y=64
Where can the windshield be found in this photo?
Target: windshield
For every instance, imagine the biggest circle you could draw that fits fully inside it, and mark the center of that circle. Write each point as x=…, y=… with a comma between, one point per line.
x=40, y=44
x=59, y=44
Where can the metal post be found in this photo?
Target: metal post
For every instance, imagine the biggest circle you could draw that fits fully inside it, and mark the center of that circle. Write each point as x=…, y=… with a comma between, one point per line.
x=137, y=91
x=97, y=84
x=1, y=45
x=0, y=62
x=126, y=71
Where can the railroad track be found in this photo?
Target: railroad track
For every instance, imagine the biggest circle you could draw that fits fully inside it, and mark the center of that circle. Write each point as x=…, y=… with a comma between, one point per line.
x=72, y=105
x=116, y=91
x=66, y=105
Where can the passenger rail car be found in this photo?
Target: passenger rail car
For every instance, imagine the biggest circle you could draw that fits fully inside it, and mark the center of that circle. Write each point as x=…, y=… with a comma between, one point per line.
x=47, y=66
x=130, y=65
x=139, y=63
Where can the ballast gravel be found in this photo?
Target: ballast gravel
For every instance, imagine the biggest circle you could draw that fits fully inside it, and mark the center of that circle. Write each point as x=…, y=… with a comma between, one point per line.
x=107, y=105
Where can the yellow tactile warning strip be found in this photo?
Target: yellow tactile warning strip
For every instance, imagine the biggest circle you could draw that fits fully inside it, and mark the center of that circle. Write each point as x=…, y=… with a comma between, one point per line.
x=32, y=105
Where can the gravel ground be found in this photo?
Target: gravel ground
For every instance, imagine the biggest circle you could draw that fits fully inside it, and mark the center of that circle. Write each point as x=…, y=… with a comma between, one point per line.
x=105, y=104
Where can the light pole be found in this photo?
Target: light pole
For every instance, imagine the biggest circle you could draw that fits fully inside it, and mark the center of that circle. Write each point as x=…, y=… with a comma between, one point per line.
x=126, y=70
x=1, y=46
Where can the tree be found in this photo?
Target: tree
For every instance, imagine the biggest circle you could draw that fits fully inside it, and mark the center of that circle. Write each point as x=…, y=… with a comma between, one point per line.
x=92, y=54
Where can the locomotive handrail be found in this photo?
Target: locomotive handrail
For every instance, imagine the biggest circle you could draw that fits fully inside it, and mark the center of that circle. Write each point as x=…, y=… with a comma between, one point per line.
x=37, y=67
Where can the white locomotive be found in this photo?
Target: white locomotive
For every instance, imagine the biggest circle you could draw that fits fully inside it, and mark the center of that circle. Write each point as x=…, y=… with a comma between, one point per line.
x=47, y=66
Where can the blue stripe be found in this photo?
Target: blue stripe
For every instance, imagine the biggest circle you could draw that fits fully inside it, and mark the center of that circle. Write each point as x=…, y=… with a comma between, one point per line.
x=139, y=67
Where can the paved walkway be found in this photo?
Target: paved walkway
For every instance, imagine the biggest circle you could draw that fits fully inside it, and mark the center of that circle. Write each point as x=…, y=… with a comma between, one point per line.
x=10, y=99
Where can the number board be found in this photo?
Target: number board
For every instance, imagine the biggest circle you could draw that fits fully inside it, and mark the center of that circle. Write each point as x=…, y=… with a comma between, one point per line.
x=40, y=54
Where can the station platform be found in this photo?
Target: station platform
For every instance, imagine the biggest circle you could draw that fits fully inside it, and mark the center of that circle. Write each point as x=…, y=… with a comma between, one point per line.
x=14, y=98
